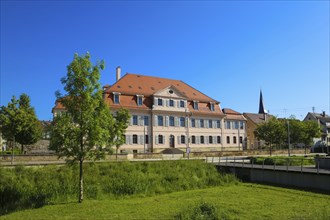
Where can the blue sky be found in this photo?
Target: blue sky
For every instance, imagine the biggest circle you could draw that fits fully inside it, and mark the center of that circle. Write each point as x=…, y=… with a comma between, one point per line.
x=228, y=50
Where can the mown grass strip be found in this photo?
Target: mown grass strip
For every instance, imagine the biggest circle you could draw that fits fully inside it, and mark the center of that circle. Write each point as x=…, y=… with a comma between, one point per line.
x=241, y=201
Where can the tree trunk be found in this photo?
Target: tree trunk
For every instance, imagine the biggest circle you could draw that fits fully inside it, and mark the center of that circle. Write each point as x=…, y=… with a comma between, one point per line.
x=81, y=181
x=270, y=149
x=116, y=153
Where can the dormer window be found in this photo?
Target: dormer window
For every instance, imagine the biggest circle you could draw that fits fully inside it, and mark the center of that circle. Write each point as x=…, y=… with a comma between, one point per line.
x=116, y=99
x=171, y=103
x=139, y=100
x=181, y=104
x=212, y=106
x=160, y=102
x=195, y=104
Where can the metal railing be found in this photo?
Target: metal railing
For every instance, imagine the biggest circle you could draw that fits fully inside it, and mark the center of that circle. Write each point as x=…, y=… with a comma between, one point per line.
x=287, y=164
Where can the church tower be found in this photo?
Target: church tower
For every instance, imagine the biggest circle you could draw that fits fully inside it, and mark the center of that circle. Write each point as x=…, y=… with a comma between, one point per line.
x=261, y=105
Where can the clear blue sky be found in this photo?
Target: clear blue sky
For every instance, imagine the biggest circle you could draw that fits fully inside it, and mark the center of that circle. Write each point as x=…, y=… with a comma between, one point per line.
x=228, y=50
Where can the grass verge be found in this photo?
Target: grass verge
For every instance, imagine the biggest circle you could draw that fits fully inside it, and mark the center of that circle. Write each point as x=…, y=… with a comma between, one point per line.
x=241, y=201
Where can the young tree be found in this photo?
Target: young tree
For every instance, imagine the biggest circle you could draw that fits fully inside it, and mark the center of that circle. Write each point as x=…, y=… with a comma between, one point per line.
x=310, y=130
x=30, y=127
x=19, y=122
x=272, y=132
x=9, y=123
x=83, y=131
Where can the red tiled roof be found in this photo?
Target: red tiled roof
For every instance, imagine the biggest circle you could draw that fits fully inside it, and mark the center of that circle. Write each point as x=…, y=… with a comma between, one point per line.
x=133, y=84
x=230, y=111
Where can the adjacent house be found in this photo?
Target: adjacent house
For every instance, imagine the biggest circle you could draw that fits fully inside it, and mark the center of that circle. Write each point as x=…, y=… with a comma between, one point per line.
x=253, y=120
x=168, y=113
x=324, y=121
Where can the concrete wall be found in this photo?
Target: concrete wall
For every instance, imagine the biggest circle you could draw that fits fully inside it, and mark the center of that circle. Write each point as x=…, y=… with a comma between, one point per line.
x=312, y=181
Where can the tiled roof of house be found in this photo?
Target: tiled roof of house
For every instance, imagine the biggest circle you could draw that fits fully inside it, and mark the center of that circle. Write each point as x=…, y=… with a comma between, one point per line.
x=320, y=116
x=233, y=115
x=133, y=84
x=257, y=118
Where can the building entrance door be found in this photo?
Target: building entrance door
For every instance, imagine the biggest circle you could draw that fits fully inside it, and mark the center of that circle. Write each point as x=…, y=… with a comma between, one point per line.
x=172, y=139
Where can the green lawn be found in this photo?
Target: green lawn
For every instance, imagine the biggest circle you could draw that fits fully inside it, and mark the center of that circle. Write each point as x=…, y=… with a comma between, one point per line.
x=241, y=201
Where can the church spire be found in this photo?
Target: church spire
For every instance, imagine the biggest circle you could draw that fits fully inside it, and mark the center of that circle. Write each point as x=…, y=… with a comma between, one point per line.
x=261, y=105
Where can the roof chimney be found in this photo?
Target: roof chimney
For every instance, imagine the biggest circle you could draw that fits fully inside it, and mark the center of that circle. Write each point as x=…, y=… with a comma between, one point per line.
x=118, y=71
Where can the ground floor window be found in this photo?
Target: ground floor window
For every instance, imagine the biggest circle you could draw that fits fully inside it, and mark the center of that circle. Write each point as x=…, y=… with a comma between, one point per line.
x=193, y=139
x=135, y=139
x=183, y=139
x=234, y=140
x=228, y=140
x=218, y=139
x=202, y=139
x=210, y=140
x=160, y=139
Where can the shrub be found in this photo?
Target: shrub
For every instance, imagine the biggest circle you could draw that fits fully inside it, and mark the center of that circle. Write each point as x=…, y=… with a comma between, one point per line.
x=22, y=187
x=200, y=211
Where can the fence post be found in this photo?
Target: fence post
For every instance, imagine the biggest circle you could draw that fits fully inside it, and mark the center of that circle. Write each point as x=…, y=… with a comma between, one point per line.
x=234, y=161
x=252, y=162
x=243, y=163
x=212, y=159
x=263, y=163
x=226, y=160
x=287, y=164
x=219, y=160
x=318, y=166
x=274, y=163
x=302, y=163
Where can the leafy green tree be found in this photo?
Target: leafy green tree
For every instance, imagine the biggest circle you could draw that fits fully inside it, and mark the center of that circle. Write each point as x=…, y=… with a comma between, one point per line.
x=310, y=130
x=84, y=130
x=19, y=122
x=9, y=123
x=272, y=131
x=30, y=127
x=121, y=123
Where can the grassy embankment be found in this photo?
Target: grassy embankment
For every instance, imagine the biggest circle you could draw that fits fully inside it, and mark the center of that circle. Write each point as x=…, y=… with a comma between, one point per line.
x=242, y=201
x=165, y=190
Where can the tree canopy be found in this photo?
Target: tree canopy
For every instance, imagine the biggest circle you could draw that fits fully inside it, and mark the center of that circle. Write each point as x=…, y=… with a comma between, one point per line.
x=276, y=131
x=86, y=129
x=19, y=122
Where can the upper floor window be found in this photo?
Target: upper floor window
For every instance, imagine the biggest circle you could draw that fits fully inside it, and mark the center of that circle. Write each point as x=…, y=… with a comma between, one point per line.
x=116, y=98
x=182, y=122
x=201, y=123
x=212, y=106
x=236, y=125
x=195, y=105
x=181, y=104
x=218, y=124
x=193, y=122
x=171, y=103
x=139, y=101
x=241, y=125
x=228, y=124
x=171, y=119
x=146, y=120
x=160, y=120
x=210, y=124
x=135, y=120
x=160, y=101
